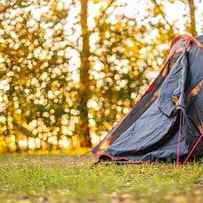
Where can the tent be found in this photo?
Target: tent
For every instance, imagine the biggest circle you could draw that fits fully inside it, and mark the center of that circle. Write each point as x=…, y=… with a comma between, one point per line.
x=167, y=122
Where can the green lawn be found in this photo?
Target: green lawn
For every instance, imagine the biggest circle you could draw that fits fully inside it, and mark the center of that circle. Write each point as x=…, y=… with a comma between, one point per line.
x=61, y=179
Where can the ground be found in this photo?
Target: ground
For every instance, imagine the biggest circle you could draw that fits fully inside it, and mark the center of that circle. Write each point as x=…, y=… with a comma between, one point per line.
x=29, y=178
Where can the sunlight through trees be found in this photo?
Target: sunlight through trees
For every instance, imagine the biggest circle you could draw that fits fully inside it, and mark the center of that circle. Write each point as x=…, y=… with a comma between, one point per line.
x=71, y=69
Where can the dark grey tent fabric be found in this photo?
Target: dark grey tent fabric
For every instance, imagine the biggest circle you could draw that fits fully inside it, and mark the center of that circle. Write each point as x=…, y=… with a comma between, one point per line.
x=168, y=119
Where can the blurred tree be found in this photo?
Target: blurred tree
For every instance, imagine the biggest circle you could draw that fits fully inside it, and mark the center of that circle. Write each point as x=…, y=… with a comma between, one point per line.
x=192, y=28
x=191, y=22
x=34, y=68
x=84, y=90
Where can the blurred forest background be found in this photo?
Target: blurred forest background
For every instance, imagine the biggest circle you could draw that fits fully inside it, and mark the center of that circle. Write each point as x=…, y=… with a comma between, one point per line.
x=70, y=69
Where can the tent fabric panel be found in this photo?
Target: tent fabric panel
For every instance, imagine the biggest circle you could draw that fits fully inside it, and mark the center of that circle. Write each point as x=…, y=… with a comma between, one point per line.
x=156, y=120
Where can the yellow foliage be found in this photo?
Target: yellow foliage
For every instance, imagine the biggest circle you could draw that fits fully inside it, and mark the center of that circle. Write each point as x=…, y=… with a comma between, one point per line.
x=47, y=81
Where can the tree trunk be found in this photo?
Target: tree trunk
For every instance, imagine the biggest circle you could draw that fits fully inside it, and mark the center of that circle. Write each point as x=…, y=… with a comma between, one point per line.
x=192, y=27
x=84, y=91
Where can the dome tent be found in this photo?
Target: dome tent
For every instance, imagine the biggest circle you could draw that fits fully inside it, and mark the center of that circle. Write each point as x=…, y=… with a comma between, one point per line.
x=167, y=122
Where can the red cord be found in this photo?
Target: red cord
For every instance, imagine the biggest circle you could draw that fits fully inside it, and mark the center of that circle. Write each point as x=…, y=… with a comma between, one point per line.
x=193, y=149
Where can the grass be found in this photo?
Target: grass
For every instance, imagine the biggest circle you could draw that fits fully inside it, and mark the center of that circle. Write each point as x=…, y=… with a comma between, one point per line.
x=26, y=179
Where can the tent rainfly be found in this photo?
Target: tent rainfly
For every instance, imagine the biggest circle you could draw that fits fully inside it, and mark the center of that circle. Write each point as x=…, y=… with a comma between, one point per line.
x=167, y=122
